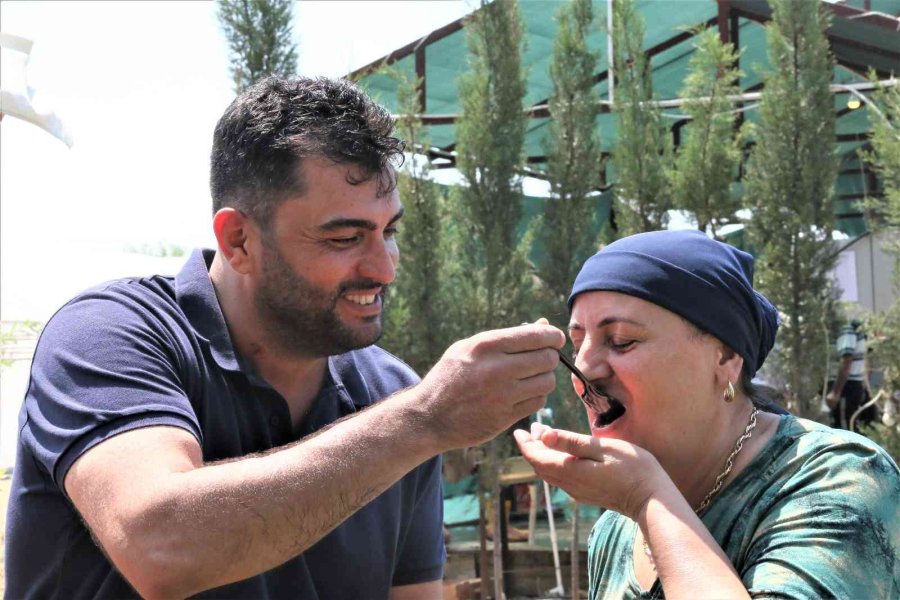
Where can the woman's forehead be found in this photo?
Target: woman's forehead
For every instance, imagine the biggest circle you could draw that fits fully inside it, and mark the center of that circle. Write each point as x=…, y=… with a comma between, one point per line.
x=602, y=308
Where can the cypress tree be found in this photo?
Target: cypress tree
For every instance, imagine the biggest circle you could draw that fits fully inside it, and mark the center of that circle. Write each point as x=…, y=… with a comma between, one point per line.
x=259, y=34
x=416, y=325
x=573, y=166
x=643, y=148
x=789, y=188
x=489, y=140
x=707, y=161
x=884, y=115
x=884, y=327
x=490, y=136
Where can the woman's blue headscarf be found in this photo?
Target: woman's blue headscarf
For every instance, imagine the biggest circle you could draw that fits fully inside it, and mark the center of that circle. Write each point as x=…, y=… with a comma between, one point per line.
x=709, y=283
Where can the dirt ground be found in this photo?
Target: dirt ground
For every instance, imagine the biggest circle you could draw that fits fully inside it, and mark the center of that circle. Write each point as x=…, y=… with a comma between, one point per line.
x=5, y=482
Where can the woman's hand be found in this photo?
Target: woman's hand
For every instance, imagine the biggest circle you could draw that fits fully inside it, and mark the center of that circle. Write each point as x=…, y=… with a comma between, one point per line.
x=604, y=472
x=628, y=479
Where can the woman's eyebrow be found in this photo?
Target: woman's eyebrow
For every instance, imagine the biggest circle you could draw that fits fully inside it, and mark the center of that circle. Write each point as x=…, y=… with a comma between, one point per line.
x=575, y=326
x=611, y=320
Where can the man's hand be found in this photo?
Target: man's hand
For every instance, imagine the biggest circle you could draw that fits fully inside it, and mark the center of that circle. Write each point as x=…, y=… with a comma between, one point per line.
x=487, y=382
x=604, y=472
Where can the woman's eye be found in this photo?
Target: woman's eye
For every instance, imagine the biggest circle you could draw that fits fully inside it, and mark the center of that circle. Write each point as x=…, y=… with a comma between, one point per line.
x=620, y=345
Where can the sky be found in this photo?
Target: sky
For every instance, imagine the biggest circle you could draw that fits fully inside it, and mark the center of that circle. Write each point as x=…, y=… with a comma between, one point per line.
x=141, y=86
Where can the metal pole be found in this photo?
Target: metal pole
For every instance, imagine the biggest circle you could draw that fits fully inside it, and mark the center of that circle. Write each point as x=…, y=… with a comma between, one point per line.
x=482, y=555
x=574, y=561
x=559, y=590
x=497, y=511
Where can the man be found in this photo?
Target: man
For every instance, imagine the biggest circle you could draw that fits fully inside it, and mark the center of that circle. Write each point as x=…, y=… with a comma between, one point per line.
x=165, y=415
x=850, y=390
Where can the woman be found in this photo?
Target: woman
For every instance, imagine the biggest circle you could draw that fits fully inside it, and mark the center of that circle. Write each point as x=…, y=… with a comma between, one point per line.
x=710, y=493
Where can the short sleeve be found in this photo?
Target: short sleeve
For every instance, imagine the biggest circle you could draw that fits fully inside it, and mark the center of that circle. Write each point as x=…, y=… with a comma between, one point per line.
x=422, y=555
x=834, y=534
x=846, y=343
x=104, y=365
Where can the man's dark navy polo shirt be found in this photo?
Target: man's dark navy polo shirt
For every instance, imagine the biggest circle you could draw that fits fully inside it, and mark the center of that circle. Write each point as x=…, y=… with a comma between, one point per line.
x=156, y=351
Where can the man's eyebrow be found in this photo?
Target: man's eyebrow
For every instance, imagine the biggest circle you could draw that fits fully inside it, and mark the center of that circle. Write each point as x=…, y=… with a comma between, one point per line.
x=350, y=223
x=574, y=326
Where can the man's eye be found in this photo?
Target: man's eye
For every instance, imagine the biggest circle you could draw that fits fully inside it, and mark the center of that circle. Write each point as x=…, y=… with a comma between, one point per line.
x=345, y=241
x=390, y=232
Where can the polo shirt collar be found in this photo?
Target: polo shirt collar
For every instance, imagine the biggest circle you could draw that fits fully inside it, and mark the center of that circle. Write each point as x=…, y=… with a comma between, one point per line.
x=348, y=381
x=196, y=296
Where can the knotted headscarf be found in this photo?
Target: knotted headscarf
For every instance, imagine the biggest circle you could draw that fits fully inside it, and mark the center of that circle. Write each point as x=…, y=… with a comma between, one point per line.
x=709, y=283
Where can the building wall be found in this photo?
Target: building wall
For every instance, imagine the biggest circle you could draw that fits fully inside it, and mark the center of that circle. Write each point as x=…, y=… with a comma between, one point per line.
x=865, y=272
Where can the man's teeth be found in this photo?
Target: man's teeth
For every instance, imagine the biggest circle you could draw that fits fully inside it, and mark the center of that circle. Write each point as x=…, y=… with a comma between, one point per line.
x=361, y=299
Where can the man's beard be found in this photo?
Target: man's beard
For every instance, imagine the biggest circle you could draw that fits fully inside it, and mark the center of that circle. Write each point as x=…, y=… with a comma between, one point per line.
x=301, y=319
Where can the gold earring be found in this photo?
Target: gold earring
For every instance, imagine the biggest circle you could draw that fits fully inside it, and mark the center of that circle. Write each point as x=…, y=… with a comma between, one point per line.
x=729, y=392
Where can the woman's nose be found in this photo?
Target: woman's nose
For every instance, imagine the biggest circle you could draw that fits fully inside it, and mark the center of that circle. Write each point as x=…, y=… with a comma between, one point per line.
x=593, y=363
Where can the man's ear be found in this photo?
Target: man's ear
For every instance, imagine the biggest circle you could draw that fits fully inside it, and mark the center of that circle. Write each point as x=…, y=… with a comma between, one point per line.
x=233, y=229
x=729, y=366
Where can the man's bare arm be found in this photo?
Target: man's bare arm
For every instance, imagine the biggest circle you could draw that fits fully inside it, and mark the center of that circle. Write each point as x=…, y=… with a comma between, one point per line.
x=840, y=380
x=174, y=526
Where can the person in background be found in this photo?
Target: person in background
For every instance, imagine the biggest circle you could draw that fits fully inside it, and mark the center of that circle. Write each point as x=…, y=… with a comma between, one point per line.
x=850, y=390
x=233, y=431
x=709, y=492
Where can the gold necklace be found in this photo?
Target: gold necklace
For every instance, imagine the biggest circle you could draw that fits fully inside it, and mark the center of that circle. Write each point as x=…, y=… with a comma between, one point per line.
x=729, y=464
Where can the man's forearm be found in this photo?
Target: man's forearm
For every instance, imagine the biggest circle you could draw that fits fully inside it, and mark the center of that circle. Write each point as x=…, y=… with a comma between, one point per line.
x=174, y=526
x=840, y=381
x=228, y=521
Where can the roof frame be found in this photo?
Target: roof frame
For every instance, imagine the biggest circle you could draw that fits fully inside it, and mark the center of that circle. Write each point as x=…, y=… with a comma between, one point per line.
x=730, y=17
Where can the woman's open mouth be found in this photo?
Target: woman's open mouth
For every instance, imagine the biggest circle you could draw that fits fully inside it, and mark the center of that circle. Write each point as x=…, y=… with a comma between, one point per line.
x=615, y=410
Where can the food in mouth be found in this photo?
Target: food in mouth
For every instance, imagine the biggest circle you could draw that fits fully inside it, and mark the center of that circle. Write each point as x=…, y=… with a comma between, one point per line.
x=615, y=410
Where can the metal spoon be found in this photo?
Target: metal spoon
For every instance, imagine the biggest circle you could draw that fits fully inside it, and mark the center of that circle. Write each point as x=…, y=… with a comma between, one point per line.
x=591, y=393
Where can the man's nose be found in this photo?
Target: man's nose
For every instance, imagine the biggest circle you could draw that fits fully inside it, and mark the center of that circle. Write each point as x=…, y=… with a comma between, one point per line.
x=380, y=262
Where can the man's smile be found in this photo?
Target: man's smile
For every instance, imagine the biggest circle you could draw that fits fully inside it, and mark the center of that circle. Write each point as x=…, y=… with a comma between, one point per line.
x=364, y=299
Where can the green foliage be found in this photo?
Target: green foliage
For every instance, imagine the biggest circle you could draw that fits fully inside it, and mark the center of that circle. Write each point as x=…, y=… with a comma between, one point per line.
x=573, y=166
x=259, y=34
x=643, y=148
x=886, y=437
x=489, y=143
x=160, y=250
x=884, y=115
x=789, y=187
x=11, y=333
x=573, y=155
x=416, y=324
x=707, y=161
x=884, y=328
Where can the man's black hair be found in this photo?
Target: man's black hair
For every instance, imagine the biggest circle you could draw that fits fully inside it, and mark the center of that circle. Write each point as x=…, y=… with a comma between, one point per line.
x=267, y=131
